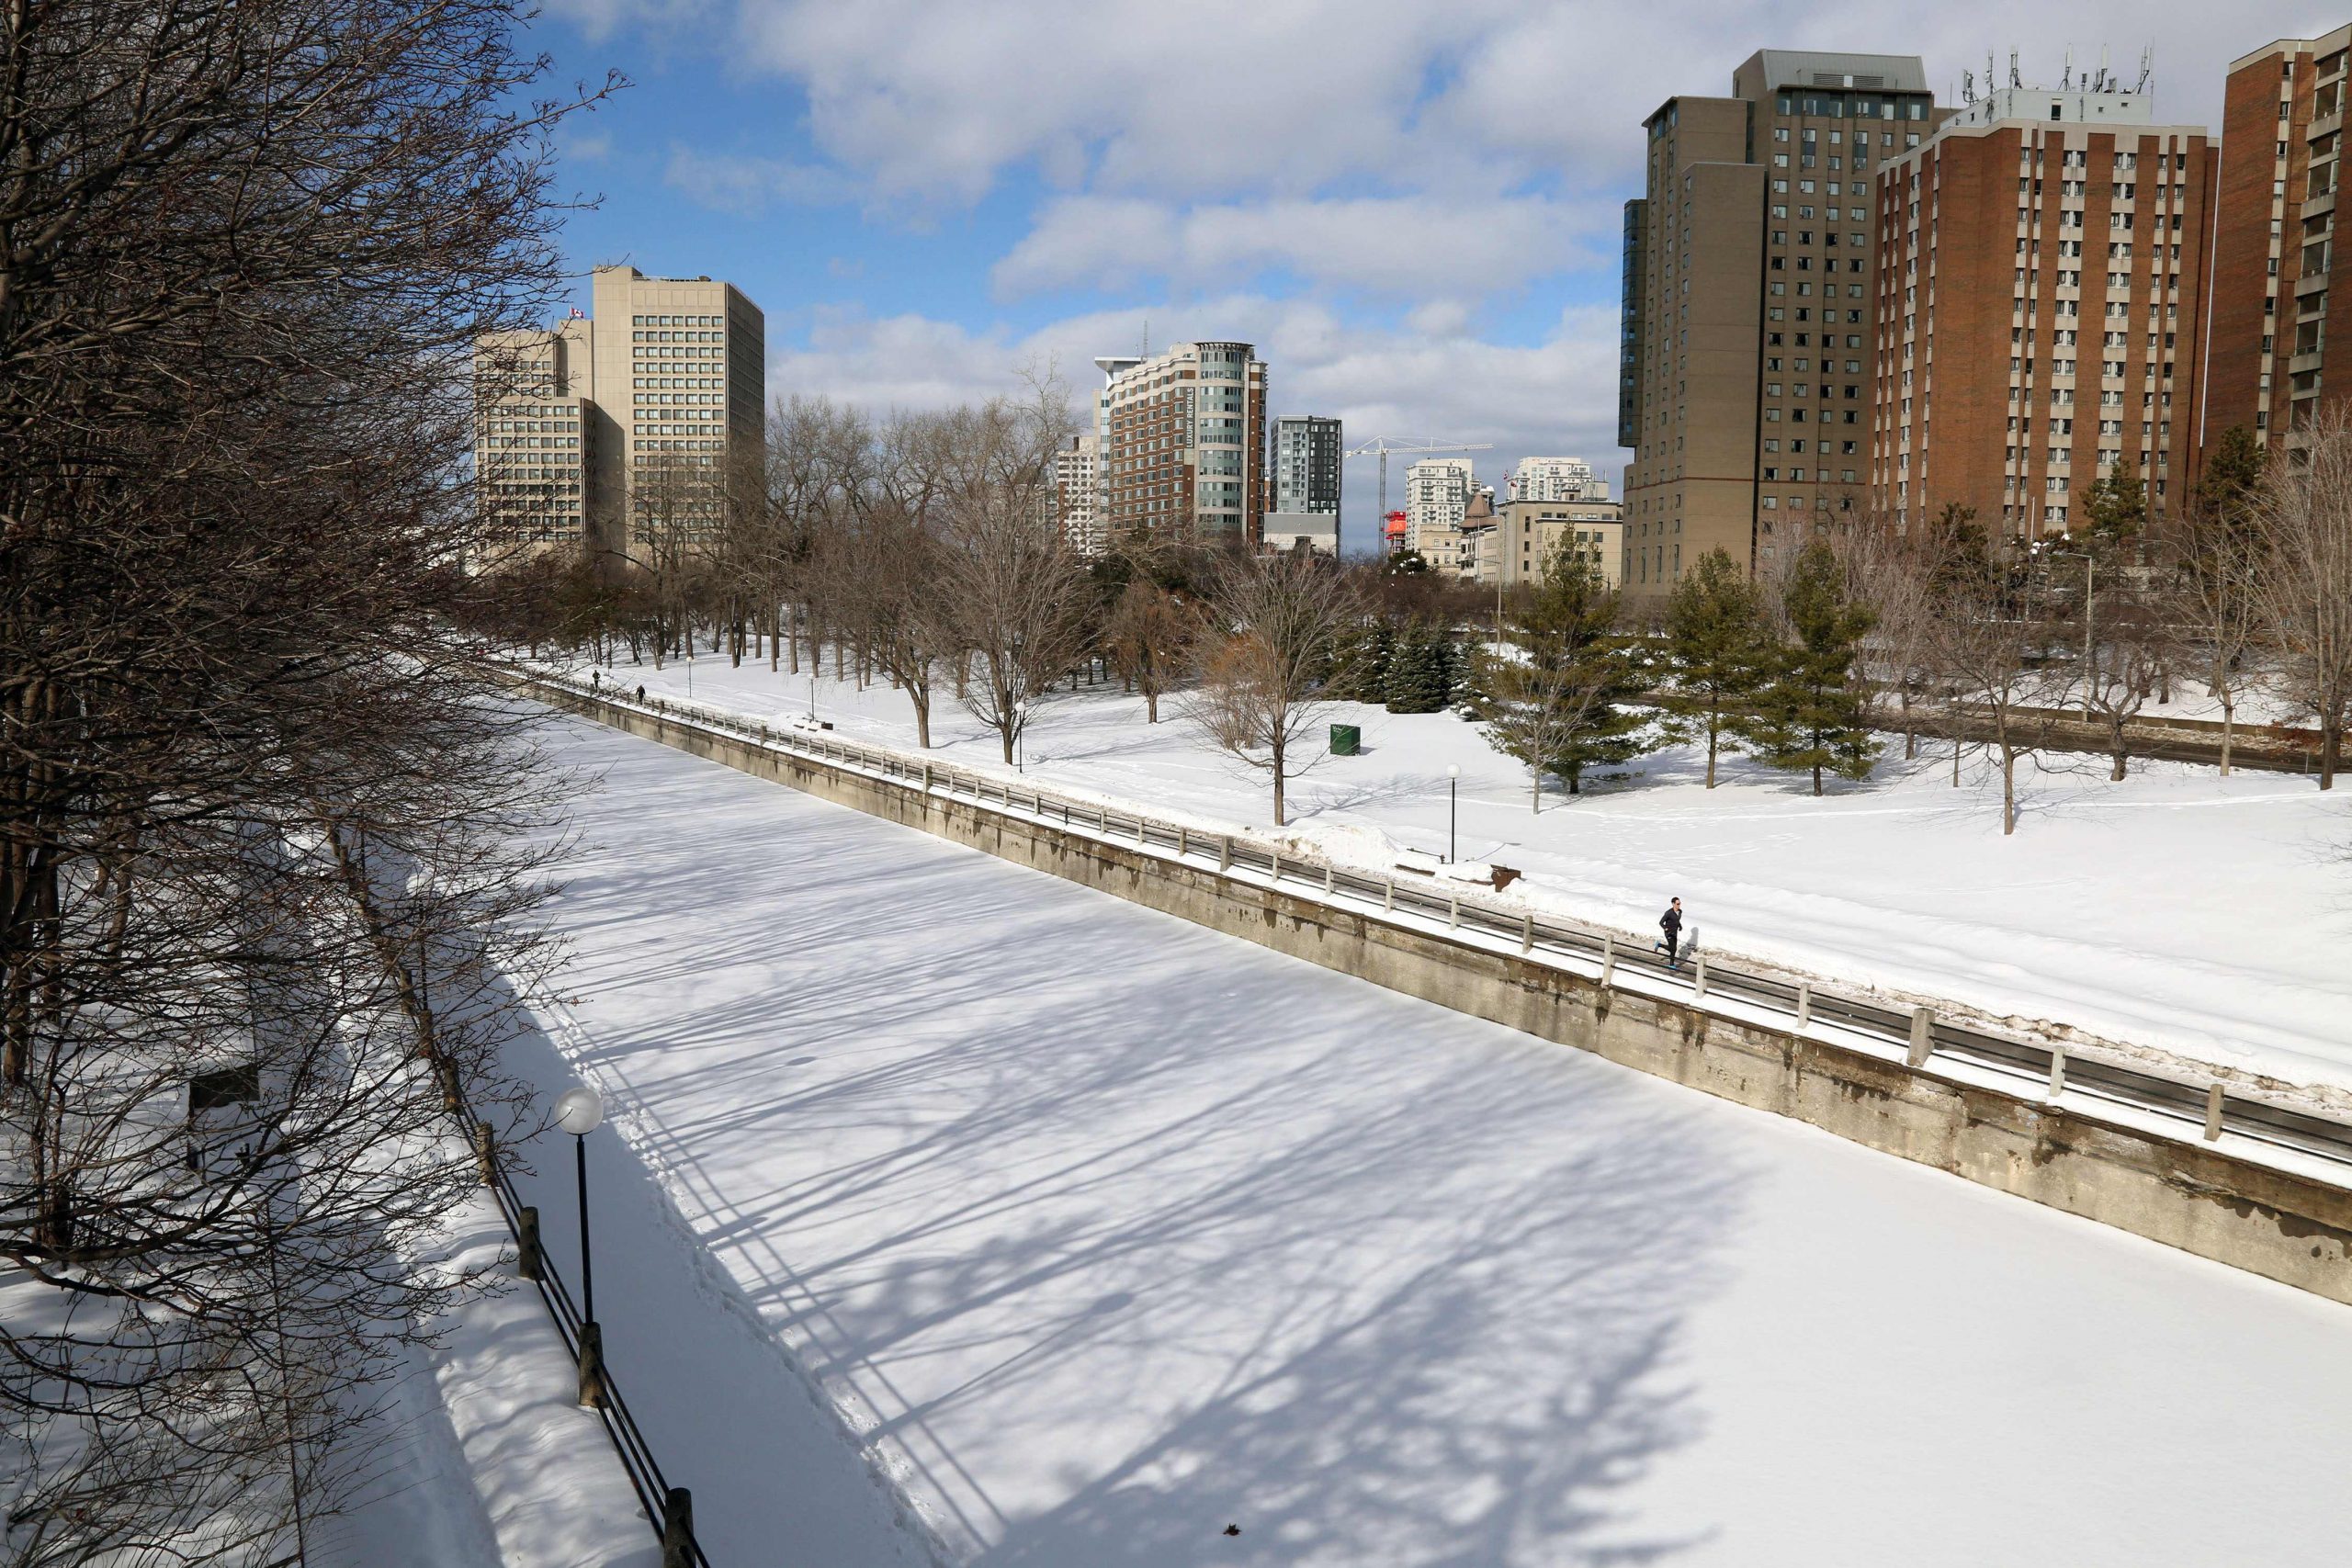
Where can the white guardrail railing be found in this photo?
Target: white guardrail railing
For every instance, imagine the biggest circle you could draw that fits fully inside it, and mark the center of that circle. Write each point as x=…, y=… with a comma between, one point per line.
x=2141, y=1096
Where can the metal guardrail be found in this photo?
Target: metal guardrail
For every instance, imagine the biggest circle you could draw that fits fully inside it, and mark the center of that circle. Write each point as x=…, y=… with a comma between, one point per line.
x=2208, y=1108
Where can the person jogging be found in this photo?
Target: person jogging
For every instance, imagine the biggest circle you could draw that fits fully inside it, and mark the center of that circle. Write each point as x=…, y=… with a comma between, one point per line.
x=1670, y=943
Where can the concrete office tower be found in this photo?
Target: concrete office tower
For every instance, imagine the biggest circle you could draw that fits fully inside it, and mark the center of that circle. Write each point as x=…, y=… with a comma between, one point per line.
x=1306, y=465
x=1556, y=478
x=534, y=435
x=1438, y=491
x=1526, y=534
x=1183, y=442
x=2274, y=245
x=1077, y=493
x=666, y=378
x=1748, y=327
x=2040, y=277
x=681, y=392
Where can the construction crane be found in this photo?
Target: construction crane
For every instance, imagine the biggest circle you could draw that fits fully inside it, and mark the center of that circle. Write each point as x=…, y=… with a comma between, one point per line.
x=1380, y=446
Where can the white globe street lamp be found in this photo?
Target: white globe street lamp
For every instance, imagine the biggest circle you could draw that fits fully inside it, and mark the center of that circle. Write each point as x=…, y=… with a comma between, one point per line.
x=579, y=1112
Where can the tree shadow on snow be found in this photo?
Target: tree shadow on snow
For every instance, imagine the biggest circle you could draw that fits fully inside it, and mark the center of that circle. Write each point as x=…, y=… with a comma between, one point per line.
x=1054, y=1188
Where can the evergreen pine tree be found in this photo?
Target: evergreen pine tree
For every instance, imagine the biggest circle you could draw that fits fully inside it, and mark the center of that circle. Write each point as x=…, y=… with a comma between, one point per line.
x=1812, y=717
x=1718, y=649
x=1417, y=677
x=1559, y=706
x=2116, y=507
x=2232, y=472
x=1359, y=662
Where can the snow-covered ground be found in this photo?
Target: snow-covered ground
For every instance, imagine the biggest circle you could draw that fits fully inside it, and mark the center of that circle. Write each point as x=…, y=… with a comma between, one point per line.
x=2202, y=917
x=1104, y=1233
x=487, y=1457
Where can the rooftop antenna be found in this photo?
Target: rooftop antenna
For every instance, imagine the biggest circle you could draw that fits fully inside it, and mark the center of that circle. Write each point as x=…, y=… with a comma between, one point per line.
x=2147, y=67
x=1988, y=72
x=1968, y=87
x=2015, y=80
x=2067, y=80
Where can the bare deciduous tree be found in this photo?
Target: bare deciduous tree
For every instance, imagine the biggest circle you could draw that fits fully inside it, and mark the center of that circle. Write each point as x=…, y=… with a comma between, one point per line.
x=1275, y=621
x=264, y=824
x=2304, y=514
x=1988, y=659
x=1012, y=591
x=1151, y=635
x=2216, y=561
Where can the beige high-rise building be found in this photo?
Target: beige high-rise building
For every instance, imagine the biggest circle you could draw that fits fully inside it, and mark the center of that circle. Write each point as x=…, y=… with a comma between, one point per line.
x=1075, y=498
x=534, y=436
x=680, y=388
x=647, y=406
x=1515, y=547
x=1438, y=493
x=1555, y=478
x=1183, y=442
x=1747, y=334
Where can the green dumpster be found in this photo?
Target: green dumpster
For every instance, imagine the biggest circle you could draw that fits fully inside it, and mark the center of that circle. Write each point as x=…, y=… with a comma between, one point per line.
x=1346, y=740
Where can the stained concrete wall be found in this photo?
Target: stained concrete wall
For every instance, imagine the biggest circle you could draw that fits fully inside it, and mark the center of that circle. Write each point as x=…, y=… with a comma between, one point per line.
x=2187, y=1195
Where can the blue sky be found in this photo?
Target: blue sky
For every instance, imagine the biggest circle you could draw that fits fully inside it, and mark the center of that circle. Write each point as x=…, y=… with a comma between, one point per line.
x=1411, y=208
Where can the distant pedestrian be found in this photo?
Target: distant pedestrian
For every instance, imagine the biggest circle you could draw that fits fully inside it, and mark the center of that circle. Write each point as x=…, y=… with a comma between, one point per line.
x=596, y=680
x=1671, y=943
x=640, y=694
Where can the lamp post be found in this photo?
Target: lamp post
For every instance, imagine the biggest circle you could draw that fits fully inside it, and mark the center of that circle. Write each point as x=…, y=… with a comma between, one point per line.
x=1453, y=800
x=579, y=1112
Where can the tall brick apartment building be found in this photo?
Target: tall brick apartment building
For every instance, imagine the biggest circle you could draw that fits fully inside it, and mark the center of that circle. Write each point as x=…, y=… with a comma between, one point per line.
x=2038, y=302
x=2273, y=255
x=1747, y=331
x=1182, y=441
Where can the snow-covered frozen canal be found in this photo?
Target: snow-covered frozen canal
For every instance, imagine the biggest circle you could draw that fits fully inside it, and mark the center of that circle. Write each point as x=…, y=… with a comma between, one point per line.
x=945, y=1189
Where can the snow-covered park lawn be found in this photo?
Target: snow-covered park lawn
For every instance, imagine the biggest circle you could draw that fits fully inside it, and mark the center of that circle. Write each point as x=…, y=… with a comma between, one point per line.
x=2203, y=916
x=1104, y=1233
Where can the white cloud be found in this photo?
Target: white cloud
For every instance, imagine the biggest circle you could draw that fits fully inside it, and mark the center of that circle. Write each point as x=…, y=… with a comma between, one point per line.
x=938, y=98
x=748, y=186
x=1393, y=245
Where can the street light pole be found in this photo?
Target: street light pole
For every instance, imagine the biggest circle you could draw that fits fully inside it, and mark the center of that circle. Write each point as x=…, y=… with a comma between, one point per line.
x=1453, y=802
x=579, y=1112
x=587, y=1261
